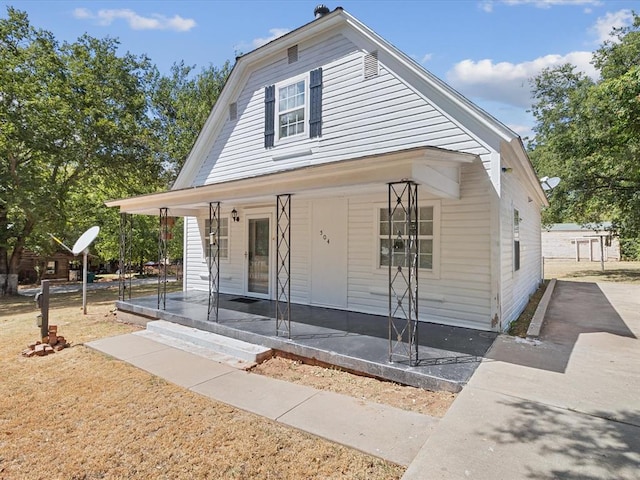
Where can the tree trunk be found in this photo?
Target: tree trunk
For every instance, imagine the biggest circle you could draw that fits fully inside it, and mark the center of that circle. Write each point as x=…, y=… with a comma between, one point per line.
x=4, y=272
x=10, y=264
x=8, y=275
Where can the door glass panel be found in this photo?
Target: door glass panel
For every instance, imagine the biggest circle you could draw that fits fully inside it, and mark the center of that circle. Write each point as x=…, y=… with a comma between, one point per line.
x=258, y=256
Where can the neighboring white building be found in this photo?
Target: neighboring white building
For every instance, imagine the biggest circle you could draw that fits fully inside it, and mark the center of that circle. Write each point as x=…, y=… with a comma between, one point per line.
x=321, y=121
x=571, y=241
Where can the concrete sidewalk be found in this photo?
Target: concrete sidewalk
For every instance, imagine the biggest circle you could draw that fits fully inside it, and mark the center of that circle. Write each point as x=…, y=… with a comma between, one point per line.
x=380, y=430
x=564, y=407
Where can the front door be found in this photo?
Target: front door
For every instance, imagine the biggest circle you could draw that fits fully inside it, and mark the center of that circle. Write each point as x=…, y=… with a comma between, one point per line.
x=258, y=247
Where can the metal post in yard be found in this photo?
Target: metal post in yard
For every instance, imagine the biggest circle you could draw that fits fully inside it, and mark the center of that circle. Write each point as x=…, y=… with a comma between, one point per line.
x=44, y=309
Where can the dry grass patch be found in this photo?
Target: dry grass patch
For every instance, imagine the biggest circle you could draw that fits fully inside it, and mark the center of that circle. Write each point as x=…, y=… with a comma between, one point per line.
x=78, y=414
x=624, y=272
x=519, y=327
x=330, y=379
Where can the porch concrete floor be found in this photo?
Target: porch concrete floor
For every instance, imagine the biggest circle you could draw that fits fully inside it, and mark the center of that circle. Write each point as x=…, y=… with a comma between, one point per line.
x=448, y=356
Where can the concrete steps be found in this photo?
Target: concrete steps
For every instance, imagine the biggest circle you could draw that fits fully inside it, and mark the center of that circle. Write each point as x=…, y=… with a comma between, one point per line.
x=210, y=345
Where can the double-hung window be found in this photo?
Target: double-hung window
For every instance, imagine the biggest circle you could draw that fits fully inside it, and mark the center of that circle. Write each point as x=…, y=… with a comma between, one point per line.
x=223, y=238
x=394, y=251
x=291, y=109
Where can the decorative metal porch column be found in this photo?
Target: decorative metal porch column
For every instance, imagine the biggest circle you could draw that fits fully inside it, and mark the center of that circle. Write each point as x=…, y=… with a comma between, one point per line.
x=163, y=236
x=283, y=268
x=403, y=271
x=126, y=242
x=214, y=260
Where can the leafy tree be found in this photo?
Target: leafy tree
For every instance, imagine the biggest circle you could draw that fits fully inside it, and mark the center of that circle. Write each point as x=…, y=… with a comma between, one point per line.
x=75, y=131
x=180, y=105
x=588, y=133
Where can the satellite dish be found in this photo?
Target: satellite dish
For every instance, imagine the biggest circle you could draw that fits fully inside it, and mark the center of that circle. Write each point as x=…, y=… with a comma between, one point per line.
x=553, y=182
x=85, y=240
x=549, y=183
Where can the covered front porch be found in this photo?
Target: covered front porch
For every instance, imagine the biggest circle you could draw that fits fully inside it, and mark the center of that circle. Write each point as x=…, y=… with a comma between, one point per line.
x=447, y=356
x=400, y=338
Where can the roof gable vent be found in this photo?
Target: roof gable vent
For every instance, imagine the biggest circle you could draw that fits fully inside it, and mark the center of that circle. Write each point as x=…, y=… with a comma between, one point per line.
x=233, y=111
x=292, y=53
x=371, y=65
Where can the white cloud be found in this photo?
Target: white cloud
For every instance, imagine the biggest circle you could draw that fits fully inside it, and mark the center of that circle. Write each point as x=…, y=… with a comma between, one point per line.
x=422, y=59
x=137, y=22
x=82, y=13
x=275, y=33
x=522, y=130
x=508, y=82
x=604, y=25
x=552, y=3
x=426, y=58
x=487, y=5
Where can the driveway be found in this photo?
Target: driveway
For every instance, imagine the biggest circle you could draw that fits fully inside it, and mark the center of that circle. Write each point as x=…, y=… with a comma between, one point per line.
x=564, y=407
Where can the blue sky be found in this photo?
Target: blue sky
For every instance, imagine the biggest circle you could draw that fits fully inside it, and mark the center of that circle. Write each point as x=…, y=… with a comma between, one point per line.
x=486, y=49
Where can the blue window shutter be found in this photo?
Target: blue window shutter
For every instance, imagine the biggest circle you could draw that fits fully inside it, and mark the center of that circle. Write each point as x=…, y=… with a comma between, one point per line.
x=269, y=115
x=315, y=103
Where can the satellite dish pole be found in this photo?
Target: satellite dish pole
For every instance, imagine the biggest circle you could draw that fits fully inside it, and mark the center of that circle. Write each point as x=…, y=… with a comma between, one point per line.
x=82, y=245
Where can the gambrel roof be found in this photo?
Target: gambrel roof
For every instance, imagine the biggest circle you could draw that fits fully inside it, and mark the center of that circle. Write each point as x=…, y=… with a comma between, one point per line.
x=469, y=117
x=469, y=132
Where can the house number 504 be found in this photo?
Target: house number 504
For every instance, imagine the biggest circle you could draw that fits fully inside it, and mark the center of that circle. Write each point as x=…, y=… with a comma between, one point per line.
x=324, y=236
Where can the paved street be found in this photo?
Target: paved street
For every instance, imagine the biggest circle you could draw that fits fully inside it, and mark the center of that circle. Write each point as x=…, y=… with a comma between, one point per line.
x=77, y=286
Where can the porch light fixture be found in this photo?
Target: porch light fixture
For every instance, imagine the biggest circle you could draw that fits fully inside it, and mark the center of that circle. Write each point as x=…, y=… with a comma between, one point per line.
x=234, y=215
x=399, y=243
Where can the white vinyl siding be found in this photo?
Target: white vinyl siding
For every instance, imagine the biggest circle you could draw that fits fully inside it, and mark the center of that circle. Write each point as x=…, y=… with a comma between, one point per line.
x=518, y=285
x=359, y=117
x=457, y=294
x=197, y=270
x=391, y=111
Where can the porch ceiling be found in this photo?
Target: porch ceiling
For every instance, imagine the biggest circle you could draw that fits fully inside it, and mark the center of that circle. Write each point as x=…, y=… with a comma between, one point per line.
x=436, y=170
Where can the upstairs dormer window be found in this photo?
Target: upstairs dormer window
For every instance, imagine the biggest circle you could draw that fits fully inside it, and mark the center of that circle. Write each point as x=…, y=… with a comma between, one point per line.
x=293, y=108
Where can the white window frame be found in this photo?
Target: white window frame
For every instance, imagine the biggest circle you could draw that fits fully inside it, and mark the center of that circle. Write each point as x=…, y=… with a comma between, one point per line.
x=205, y=239
x=434, y=271
x=278, y=86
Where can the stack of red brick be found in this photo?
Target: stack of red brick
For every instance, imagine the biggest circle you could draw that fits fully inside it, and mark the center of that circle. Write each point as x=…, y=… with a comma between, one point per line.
x=50, y=344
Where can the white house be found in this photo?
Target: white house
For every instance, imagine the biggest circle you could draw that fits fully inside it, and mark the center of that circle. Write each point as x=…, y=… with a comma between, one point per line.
x=571, y=241
x=317, y=139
